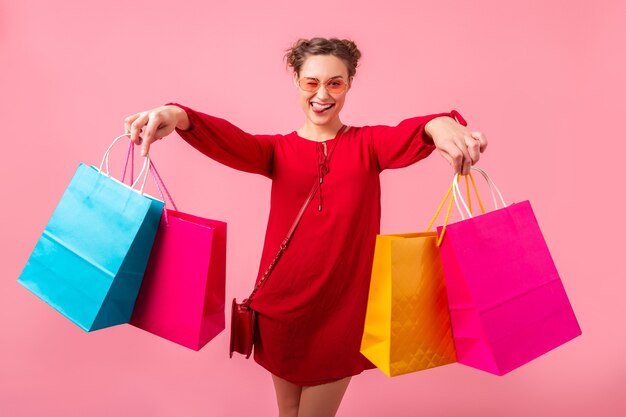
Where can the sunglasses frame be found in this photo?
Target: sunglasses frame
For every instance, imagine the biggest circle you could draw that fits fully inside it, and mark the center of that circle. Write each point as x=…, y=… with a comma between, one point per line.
x=325, y=84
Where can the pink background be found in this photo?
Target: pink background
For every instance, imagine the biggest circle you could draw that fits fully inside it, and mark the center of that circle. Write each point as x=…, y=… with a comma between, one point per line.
x=543, y=79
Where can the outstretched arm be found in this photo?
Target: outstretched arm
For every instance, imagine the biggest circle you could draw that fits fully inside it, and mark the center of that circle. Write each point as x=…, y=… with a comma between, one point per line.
x=415, y=138
x=214, y=137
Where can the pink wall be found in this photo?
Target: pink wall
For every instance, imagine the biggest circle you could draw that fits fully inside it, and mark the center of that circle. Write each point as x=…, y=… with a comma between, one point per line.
x=543, y=79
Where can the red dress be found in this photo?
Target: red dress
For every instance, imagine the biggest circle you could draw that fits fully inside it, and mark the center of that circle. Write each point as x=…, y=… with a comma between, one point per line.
x=311, y=311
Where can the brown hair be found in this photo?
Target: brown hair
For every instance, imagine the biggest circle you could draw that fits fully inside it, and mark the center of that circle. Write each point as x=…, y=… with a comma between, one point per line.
x=343, y=49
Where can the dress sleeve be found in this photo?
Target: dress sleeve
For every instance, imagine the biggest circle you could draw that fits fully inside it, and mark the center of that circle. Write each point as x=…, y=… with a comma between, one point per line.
x=224, y=142
x=405, y=144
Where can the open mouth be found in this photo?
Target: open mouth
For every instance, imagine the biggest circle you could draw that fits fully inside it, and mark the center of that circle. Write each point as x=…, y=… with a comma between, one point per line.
x=321, y=108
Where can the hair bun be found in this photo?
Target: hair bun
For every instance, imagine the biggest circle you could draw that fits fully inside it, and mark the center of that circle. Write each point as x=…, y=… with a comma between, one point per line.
x=354, y=51
x=344, y=49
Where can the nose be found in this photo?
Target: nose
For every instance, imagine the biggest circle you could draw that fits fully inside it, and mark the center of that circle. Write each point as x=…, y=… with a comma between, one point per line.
x=322, y=93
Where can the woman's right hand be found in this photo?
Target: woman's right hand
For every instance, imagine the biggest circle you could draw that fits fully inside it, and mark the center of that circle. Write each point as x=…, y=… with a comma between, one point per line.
x=155, y=124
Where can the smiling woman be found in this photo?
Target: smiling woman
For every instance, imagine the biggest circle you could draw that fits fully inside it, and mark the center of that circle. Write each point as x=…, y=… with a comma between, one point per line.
x=323, y=69
x=323, y=83
x=311, y=311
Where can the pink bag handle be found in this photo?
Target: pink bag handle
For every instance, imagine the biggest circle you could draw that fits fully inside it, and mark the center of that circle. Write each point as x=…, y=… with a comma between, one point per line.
x=158, y=181
x=155, y=175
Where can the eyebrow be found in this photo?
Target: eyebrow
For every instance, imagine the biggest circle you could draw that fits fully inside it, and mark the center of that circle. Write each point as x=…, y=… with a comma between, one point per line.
x=331, y=78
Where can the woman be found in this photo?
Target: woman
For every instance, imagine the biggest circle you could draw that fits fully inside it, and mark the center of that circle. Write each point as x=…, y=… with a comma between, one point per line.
x=311, y=310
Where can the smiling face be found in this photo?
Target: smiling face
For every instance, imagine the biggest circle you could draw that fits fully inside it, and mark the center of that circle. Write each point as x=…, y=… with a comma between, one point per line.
x=322, y=108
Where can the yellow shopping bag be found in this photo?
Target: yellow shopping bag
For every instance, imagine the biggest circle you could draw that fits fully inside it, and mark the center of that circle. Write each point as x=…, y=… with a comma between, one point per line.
x=407, y=324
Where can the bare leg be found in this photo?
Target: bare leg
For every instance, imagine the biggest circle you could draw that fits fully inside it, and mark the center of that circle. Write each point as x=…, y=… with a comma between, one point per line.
x=287, y=396
x=322, y=400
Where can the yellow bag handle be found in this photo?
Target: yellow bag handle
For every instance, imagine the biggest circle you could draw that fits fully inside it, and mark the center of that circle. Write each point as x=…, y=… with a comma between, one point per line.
x=469, y=199
x=452, y=199
x=460, y=201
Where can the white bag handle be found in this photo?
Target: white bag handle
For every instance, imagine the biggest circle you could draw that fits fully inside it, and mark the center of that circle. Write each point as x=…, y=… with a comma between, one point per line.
x=492, y=188
x=144, y=169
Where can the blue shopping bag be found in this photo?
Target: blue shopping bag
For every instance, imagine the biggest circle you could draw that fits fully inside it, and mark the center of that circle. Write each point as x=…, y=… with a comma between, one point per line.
x=90, y=259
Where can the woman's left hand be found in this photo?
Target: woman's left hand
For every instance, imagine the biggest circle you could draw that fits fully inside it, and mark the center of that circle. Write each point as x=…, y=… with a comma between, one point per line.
x=456, y=143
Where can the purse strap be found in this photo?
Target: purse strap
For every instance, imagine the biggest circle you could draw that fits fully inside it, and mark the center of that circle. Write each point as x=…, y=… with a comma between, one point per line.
x=285, y=243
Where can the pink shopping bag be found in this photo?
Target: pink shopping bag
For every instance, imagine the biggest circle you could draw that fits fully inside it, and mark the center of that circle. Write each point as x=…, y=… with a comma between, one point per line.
x=507, y=302
x=183, y=291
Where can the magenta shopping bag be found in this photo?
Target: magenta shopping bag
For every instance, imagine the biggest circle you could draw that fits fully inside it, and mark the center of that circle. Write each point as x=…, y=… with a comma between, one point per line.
x=507, y=302
x=183, y=291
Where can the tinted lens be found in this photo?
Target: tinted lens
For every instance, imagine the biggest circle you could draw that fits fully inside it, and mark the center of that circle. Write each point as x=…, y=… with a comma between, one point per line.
x=336, y=85
x=309, y=84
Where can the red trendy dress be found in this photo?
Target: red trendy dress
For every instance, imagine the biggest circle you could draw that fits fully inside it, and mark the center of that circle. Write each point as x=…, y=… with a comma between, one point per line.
x=311, y=311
